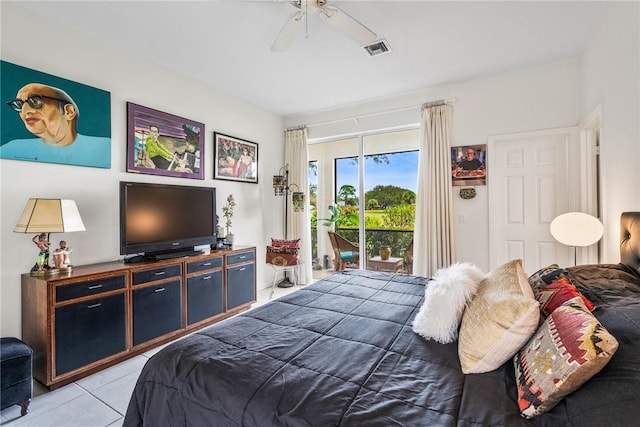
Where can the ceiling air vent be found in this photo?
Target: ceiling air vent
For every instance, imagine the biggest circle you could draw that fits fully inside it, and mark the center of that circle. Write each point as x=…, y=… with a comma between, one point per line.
x=378, y=47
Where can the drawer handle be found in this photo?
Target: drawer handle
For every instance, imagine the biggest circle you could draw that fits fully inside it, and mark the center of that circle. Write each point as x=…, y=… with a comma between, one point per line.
x=160, y=273
x=94, y=305
x=242, y=256
x=242, y=269
x=95, y=287
x=159, y=290
x=206, y=278
x=207, y=263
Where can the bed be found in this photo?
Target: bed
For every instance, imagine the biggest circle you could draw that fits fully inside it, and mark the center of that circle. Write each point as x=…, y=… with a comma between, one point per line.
x=342, y=352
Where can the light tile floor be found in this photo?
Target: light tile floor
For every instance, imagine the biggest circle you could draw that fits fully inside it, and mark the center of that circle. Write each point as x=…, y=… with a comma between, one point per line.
x=98, y=400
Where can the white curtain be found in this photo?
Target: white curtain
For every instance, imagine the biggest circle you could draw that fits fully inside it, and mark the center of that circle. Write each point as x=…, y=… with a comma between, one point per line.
x=433, y=244
x=299, y=224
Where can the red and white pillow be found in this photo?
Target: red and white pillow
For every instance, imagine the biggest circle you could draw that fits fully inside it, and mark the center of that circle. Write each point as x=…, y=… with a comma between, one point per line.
x=557, y=293
x=283, y=252
x=284, y=243
x=552, y=287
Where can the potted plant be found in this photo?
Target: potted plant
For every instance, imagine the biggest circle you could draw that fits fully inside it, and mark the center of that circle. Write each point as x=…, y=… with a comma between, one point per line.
x=338, y=217
x=227, y=212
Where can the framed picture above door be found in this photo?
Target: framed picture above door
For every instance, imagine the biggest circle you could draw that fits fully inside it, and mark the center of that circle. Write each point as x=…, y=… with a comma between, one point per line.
x=469, y=165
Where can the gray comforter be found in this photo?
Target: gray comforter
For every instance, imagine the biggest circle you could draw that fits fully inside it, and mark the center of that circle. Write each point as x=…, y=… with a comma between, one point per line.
x=341, y=352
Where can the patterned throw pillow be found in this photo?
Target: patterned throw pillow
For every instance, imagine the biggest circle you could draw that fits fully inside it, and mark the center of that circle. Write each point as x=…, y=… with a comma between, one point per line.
x=536, y=280
x=283, y=255
x=568, y=349
x=283, y=252
x=557, y=293
x=498, y=321
x=284, y=243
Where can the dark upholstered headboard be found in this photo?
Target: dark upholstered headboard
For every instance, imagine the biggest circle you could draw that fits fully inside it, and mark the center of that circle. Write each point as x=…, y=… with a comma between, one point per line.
x=630, y=240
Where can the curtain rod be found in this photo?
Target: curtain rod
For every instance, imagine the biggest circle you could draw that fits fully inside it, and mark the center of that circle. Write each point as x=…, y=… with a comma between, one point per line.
x=438, y=102
x=397, y=110
x=301, y=127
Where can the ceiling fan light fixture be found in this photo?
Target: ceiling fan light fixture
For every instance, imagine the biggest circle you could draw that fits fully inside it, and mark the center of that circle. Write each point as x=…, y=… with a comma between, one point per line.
x=333, y=15
x=292, y=26
x=378, y=47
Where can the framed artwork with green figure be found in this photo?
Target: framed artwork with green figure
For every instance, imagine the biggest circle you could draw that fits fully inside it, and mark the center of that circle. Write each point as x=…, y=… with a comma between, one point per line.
x=160, y=143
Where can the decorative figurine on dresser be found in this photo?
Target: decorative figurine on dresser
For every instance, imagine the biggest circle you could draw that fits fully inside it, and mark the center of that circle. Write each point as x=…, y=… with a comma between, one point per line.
x=42, y=262
x=61, y=258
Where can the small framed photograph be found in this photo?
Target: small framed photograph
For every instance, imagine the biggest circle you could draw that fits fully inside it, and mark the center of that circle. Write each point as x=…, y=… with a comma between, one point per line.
x=163, y=144
x=235, y=159
x=469, y=165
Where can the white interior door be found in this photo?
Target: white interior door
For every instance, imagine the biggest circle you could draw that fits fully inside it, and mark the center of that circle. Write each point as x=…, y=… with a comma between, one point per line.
x=528, y=187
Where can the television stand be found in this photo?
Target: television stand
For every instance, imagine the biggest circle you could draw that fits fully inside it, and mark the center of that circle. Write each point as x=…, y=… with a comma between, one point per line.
x=97, y=315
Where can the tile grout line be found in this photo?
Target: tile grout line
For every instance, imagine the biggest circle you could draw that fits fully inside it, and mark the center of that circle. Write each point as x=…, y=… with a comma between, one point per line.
x=99, y=400
x=117, y=379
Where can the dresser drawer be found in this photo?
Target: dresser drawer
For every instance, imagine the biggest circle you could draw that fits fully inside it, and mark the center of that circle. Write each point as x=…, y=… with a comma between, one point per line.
x=86, y=332
x=241, y=285
x=157, y=310
x=204, y=264
x=240, y=257
x=90, y=287
x=157, y=274
x=205, y=296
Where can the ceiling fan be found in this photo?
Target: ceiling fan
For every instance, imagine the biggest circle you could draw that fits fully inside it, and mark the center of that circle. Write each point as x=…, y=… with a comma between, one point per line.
x=332, y=14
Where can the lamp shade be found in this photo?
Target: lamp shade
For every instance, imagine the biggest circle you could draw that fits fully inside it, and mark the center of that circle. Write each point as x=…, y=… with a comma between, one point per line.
x=297, y=199
x=279, y=184
x=576, y=229
x=49, y=216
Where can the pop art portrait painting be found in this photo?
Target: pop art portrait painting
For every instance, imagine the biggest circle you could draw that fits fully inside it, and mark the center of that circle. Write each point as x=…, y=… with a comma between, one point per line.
x=53, y=120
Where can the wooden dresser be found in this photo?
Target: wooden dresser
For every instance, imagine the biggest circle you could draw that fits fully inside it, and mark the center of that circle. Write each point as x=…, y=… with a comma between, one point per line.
x=98, y=315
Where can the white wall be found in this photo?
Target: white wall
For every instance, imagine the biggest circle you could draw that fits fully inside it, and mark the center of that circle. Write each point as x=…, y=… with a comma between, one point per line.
x=543, y=97
x=79, y=58
x=610, y=79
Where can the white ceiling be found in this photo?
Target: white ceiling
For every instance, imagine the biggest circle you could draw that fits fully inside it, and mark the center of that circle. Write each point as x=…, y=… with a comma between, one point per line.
x=226, y=44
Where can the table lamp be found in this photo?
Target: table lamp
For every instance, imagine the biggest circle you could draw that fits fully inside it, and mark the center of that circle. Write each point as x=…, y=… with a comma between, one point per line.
x=46, y=216
x=576, y=229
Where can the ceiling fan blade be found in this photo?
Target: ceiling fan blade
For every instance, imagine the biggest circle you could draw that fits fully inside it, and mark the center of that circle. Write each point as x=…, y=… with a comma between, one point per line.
x=349, y=26
x=289, y=30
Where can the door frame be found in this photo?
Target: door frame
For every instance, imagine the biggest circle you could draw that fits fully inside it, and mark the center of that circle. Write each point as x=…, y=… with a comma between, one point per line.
x=590, y=172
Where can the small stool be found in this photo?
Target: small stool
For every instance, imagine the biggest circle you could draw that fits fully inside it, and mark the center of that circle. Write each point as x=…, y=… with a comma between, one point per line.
x=16, y=385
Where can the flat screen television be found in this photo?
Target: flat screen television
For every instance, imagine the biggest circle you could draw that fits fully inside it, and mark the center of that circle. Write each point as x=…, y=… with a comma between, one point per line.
x=161, y=221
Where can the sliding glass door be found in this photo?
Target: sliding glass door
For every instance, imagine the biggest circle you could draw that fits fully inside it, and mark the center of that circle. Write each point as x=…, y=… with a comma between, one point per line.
x=364, y=189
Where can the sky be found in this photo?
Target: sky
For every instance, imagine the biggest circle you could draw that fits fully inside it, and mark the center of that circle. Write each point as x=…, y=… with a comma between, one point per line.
x=401, y=171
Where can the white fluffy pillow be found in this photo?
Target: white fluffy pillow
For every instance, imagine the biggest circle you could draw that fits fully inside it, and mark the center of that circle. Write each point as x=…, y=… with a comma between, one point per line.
x=444, y=301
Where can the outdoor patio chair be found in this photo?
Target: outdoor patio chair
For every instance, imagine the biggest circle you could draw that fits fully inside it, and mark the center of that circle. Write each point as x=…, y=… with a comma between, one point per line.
x=409, y=257
x=346, y=253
